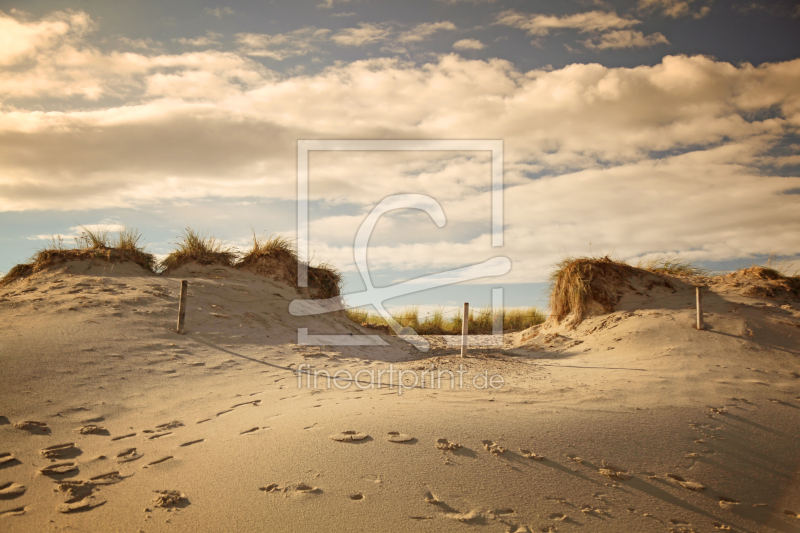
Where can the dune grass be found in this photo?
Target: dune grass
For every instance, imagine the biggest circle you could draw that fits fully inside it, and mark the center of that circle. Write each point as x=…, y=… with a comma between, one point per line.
x=277, y=255
x=89, y=244
x=440, y=323
x=780, y=267
x=575, y=282
x=194, y=247
x=674, y=267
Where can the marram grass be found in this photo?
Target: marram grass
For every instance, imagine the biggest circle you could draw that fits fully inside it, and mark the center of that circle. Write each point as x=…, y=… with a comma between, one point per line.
x=440, y=322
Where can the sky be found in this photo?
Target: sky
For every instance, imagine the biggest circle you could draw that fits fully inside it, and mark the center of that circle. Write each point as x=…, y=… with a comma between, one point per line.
x=641, y=129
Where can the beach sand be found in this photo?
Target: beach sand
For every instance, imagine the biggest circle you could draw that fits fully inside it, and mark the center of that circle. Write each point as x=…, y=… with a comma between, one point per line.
x=634, y=421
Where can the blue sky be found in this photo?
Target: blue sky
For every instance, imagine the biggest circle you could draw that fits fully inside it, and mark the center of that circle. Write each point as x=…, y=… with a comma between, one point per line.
x=640, y=128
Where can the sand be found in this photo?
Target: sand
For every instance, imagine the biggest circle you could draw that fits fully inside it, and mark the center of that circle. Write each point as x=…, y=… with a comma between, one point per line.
x=633, y=421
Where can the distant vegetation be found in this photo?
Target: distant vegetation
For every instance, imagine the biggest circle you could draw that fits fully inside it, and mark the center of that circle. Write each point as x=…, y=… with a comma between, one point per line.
x=442, y=323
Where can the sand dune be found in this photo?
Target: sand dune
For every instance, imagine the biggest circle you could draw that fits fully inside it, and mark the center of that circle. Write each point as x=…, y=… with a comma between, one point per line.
x=631, y=421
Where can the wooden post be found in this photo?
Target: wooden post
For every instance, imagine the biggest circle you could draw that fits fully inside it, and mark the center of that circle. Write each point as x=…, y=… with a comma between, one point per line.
x=699, y=307
x=182, y=306
x=464, y=330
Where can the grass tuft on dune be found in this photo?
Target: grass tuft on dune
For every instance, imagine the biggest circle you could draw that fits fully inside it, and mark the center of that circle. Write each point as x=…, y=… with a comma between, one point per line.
x=276, y=255
x=194, y=247
x=88, y=245
x=576, y=282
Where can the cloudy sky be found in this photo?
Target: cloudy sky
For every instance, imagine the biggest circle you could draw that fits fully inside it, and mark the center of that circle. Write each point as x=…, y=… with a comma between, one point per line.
x=638, y=128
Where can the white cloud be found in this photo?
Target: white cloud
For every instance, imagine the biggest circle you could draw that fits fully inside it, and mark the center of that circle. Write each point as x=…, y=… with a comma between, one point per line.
x=329, y=4
x=469, y=44
x=141, y=44
x=219, y=12
x=22, y=41
x=626, y=39
x=618, y=154
x=590, y=21
x=673, y=8
x=365, y=33
x=282, y=45
x=209, y=39
x=422, y=31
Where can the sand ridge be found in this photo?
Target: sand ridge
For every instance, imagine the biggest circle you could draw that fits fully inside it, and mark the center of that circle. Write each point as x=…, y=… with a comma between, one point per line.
x=123, y=423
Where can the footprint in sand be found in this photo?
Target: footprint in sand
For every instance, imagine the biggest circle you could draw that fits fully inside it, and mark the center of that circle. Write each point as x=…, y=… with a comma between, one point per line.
x=612, y=471
x=169, y=425
x=80, y=497
x=357, y=496
x=92, y=429
x=58, y=451
x=471, y=516
x=728, y=503
x=493, y=448
x=691, y=485
x=11, y=490
x=7, y=459
x=17, y=511
x=109, y=478
x=431, y=499
x=254, y=403
x=446, y=445
x=159, y=435
x=575, y=458
x=58, y=469
x=527, y=454
x=159, y=461
x=300, y=489
x=128, y=455
x=32, y=426
x=396, y=436
x=170, y=498
x=129, y=435
x=254, y=430
x=192, y=442
x=348, y=436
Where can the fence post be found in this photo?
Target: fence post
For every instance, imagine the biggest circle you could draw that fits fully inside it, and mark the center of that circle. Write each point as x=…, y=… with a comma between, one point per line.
x=182, y=306
x=699, y=292
x=464, y=329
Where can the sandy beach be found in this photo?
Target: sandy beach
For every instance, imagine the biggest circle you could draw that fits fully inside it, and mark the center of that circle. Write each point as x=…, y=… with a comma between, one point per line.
x=633, y=421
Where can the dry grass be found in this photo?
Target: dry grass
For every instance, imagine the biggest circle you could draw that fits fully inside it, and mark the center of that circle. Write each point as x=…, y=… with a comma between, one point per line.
x=440, y=323
x=673, y=267
x=88, y=245
x=781, y=267
x=576, y=282
x=194, y=247
x=277, y=256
